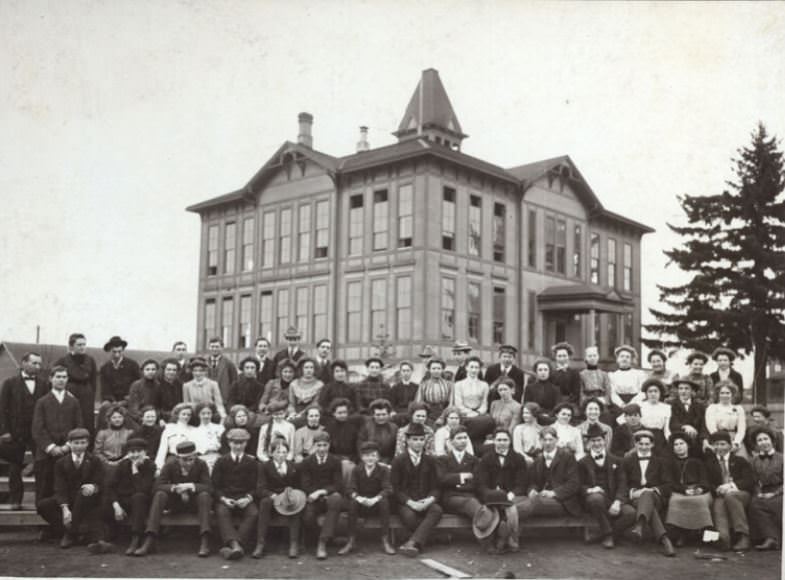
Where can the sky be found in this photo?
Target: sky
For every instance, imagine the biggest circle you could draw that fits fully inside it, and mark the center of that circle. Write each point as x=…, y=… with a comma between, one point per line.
x=119, y=114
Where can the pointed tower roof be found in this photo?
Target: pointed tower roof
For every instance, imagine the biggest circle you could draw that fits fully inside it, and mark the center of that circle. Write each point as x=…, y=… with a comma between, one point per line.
x=430, y=113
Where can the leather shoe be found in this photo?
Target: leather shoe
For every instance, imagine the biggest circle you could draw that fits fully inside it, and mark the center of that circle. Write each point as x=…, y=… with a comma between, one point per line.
x=100, y=547
x=258, y=551
x=132, y=546
x=147, y=546
x=637, y=531
x=743, y=544
x=67, y=541
x=387, y=546
x=321, y=550
x=347, y=547
x=667, y=547
x=294, y=549
x=409, y=549
x=767, y=544
x=608, y=543
x=235, y=550
x=204, y=547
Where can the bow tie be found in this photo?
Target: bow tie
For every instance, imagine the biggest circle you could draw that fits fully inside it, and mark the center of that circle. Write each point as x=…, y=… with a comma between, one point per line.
x=599, y=457
x=766, y=455
x=644, y=457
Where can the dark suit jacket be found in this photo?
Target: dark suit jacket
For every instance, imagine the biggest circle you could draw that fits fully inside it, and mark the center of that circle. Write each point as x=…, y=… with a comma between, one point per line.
x=198, y=474
x=564, y=479
x=449, y=472
x=123, y=483
x=694, y=417
x=53, y=420
x=82, y=369
x=328, y=476
x=494, y=372
x=410, y=482
x=17, y=406
x=512, y=476
x=116, y=382
x=657, y=474
x=283, y=354
x=270, y=481
x=225, y=374
x=690, y=472
x=378, y=483
x=739, y=469
x=267, y=372
x=617, y=485
x=323, y=373
x=68, y=479
x=234, y=480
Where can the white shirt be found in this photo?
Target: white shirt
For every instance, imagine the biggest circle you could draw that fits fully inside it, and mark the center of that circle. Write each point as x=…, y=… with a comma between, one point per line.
x=644, y=463
x=29, y=382
x=59, y=395
x=502, y=458
x=77, y=459
x=548, y=457
x=601, y=461
x=281, y=468
x=458, y=455
x=237, y=458
x=321, y=460
x=415, y=457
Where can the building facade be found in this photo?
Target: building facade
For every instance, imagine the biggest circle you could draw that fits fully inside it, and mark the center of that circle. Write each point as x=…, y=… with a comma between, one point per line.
x=417, y=243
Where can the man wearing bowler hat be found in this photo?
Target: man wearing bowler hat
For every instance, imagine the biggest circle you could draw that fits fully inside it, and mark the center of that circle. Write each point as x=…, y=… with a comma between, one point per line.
x=118, y=372
x=293, y=350
x=506, y=368
x=322, y=481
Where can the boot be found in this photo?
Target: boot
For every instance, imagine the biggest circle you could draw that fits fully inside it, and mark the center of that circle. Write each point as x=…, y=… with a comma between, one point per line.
x=667, y=547
x=347, y=547
x=321, y=550
x=133, y=546
x=387, y=547
x=767, y=544
x=258, y=551
x=294, y=548
x=743, y=544
x=204, y=546
x=147, y=546
x=235, y=550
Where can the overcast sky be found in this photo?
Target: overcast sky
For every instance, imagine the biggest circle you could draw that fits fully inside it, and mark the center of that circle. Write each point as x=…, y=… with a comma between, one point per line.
x=116, y=115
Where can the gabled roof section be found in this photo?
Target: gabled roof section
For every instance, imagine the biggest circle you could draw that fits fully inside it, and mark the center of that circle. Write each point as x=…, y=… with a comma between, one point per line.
x=430, y=107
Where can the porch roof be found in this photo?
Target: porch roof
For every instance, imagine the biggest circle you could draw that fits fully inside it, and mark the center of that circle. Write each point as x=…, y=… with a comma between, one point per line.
x=583, y=298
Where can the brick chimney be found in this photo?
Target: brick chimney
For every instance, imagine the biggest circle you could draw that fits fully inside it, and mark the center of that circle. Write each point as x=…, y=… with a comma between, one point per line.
x=362, y=144
x=304, y=136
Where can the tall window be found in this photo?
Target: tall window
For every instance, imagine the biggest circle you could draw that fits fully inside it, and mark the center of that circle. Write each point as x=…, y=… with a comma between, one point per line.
x=499, y=312
x=550, y=243
x=245, y=322
x=627, y=272
x=227, y=320
x=499, y=230
x=301, y=311
x=282, y=316
x=247, y=250
x=613, y=332
x=266, y=315
x=285, y=239
x=230, y=241
x=577, y=251
x=405, y=215
x=611, y=262
x=356, y=219
x=475, y=225
x=474, y=299
x=304, y=233
x=381, y=216
x=319, y=312
x=561, y=246
x=322, y=230
x=532, y=238
x=378, y=307
x=209, y=320
x=628, y=338
x=448, y=218
x=531, y=322
x=404, y=307
x=212, y=250
x=354, y=313
x=268, y=239
x=448, y=308
x=594, y=259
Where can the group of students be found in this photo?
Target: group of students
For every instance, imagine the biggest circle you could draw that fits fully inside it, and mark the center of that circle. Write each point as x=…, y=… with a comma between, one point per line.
x=644, y=453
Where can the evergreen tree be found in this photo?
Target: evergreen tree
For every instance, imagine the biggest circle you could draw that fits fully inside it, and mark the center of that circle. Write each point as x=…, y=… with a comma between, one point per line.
x=734, y=247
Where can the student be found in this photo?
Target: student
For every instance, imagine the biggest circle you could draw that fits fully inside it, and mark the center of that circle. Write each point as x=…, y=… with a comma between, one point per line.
x=760, y=417
x=171, y=387
x=369, y=493
x=303, y=392
x=304, y=436
x=593, y=410
x=416, y=487
x=625, y=381
x=82, y=372
x=219, y=368
x=344, y=431
x=568, y=437
x=623, y=441
x=696, y=360
x=526, y=436
x=553, y=478
x=180, y=356
x=110, y=442
x=470, y=396
x=279, y=487
x=278, y=427
x=116, y=374
x=689, y=505
x=183, y=486
x=372, y=388
x=207, y=434
x=655, y=414
x=203, y=389
x=418, y=412
x=766, y=504
x=277, y=389
x=505, y=411
x=442, y=437
x=265, y=362
x=322, y=481
x=687, y=414
x=456, y=477
x=402, y=393
x=594, y=381
x=78, y=480
x=506, y=368
x=460, y=352
x=293, y=350
x=657, y=360
x=542, y=391
x=337, y=387
x=565, y=377
x=724, y=358
x=235, y=478
x=246, y=389
x=381, y=430
x=604, y=488
x=144, y=391
x=241, y=417
x=179, y=429
x=724, y=415
x=150, y=431
x=324, y=370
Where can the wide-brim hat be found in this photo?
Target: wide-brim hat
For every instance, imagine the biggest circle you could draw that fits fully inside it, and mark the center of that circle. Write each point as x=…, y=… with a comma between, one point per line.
x=697, y=354
x=485, y=521
x=461, y=346
x=625, y=348
x=292, y=332
x=653, y=382
x=427, y=352
x=113, y=342
x=497, y=497
x=289, y=502
x=723, y=350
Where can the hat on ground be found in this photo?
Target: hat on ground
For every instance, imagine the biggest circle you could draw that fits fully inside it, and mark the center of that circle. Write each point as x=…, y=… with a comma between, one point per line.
x=508, y=348
x=369, y=360
x=485, y=521
x=632, y=409
x=369, y=447
x=720, y=435
x=594, y=431
x=197, y=362
x=292, y=332
x=643, y=433
x=652, y=382
x=237, y=434
x=563, y=346
x=657, y=352
x=625, y=348
x=113, y=342
x=135, y=444
x=186, y=449
x=723, y=350
x=289, y=502
x=427, y=352
x=696, y=354
x=78, y=433
x=276, y=406
x=461, y=346
x=415, y=430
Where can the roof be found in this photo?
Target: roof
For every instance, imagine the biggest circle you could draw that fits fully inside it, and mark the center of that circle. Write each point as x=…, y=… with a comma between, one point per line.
x=583, y=298
x=430, y=107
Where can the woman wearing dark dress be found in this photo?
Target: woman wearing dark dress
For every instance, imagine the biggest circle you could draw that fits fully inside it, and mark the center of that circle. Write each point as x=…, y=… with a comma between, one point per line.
x=542, y=391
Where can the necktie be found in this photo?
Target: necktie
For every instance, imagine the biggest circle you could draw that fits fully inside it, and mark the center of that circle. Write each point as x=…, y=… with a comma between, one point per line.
x=237, y=459
x=725, y=474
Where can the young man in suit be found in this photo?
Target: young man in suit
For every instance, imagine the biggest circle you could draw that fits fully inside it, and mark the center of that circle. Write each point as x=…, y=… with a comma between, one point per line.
x=219, y=368
x=18, y=397
x=456, y=477
x=623, y=440
x=687, y=414
x=180, y=356
x=506, y=367
x=266, y=363
x=460, y=352
x=54, y=416
x=766, y=504
x=323, y=364
x=322, y=481
x=604, y=489
x=293, y=351
x=78, y=477
x=649, y=486
x=369, y=493
x=235, y=477
x=117, y=374
x=415, y=484
x=553, y=478
x=732, y=482
x=183, y=486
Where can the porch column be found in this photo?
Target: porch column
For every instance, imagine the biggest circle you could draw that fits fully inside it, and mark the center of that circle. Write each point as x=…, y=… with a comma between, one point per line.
x=591, y=328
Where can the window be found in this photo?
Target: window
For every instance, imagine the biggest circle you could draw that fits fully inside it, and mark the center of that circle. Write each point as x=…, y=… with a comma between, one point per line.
x=378, y=308
x=532, y=238
x=304, y=233
x=354, y=305
x=404, y=314
x=283, y=311
x=613, y=332
x=245, y=322
x=356, y=218
x=474, y=299
x=561, y=246
x=227, y=320
x=266, y=314
x=628, y=338
x=611, y=262
x=322, y=230
x=209, y=321
x=230, y=241
x=577, y=251
x=560, y=331
x=594, y=259
x=319, y=312
x=550, y=243
x=247, y=249
x=531, y=330
x=380, y=220
x=405, y=216
x=448, y=218
x=499, y=231
x=301, y=311
x=475, y=225
x=285, y=252
x=627, y=272
x=268, y=239
x=448, y=308
x=212, y=250
x=499, y=311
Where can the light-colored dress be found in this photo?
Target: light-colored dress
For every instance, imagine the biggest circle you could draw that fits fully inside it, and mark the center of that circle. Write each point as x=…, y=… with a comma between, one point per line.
x=303, y=441
x=570, y=438
x=471, y=397
x=281, y=428
x=208, y=442
x=303, y=394
x=173, y=434
x=442, y=444
x=625, y=385
x=525, y=438
x=730, y=418
x=506, y=415
x=207, y=391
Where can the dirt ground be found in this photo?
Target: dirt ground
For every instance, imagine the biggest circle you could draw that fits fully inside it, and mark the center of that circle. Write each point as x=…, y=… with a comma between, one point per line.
x=541, y=557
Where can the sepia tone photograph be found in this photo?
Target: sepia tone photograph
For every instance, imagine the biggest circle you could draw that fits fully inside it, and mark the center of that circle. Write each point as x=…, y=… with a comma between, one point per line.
x=351, y=289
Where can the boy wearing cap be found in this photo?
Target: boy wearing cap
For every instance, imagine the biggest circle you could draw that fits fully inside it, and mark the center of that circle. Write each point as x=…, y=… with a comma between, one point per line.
x=623, y=440
x=553, y=478
x=77, y=492
x=276, y=477
x=687, y=414
x=183, y=486
x=369, y=493
x=506, y=368
x=456, y=476
x=201, y=389
x=235, y=477
x=322, y=481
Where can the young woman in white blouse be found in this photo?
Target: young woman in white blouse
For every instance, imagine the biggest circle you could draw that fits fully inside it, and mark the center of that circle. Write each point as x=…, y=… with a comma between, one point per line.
x=442, y=437
x=655, y=415
x=724, y=415
x=569, y=437
x=526, y=435
x=625, y=381
x=207, y=434
x=180, y=429
x=470, y=396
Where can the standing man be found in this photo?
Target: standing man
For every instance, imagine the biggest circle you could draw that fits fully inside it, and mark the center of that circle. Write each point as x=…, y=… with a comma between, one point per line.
x=219, y=368
x=322, y=481
x=293, y=351
x=564, y=376
x=460, y=352
x=171, y=386
x=266, y=363
x=180, y=354
x=323, y=370
x=145, y=391
x=506, y=368
x=82, y=376
x=18, y=397
x=118, y=372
